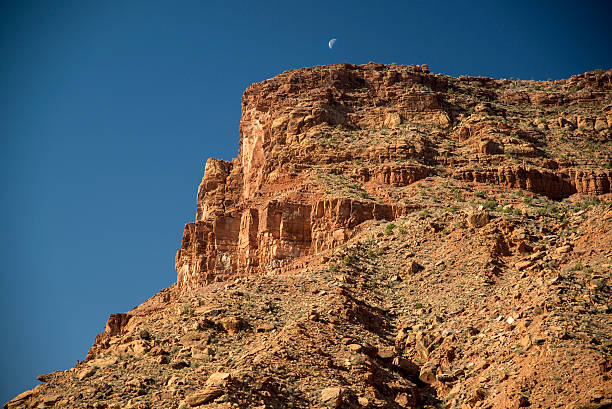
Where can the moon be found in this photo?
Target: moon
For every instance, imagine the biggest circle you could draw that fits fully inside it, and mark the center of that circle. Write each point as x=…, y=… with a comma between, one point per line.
x=331, y=43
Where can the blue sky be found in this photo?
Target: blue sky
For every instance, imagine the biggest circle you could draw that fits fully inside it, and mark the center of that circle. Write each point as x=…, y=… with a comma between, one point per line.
x=109, y=110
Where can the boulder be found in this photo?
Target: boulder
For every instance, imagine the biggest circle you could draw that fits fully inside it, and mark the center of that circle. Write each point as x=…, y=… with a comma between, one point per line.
x=427, y=373
x=205, y=396
x=332, y=396
x=478, y=219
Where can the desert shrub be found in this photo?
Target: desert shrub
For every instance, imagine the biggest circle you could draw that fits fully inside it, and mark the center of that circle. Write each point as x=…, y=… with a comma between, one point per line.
x=347, y=260
x=423, y=214
x=577, y=267
x=490, y=204
x=187, y=310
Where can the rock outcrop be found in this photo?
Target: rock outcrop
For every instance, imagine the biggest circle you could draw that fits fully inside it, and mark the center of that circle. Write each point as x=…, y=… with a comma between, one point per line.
x=263, y=238
x=312, y=137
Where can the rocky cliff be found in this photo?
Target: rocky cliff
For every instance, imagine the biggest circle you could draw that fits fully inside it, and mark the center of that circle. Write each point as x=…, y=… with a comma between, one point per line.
x=320, y=147
x=386, y=238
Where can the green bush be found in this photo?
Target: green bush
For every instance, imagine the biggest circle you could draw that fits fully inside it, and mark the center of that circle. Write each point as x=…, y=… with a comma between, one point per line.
x=423, y=214
x=187, y=310
x=347, y=260
x=490, y=204
x=577, y=267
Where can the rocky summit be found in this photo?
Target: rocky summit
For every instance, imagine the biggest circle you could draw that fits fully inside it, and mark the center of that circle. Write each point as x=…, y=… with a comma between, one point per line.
x=386, y=238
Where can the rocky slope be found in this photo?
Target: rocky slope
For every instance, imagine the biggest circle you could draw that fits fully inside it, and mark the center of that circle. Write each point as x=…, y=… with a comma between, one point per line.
x=386, y=238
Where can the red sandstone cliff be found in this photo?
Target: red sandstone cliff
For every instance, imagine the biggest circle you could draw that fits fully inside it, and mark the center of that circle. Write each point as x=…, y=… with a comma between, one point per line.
x=371, y=126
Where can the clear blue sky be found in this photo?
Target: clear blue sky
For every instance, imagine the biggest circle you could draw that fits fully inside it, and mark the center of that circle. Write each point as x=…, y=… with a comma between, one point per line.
x=109, y=109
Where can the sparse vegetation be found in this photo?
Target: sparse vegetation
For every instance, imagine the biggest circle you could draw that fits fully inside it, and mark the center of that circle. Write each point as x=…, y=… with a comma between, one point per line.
x=489, y=204
x=389, y=229
x=423, y=214
x=452, y=209
x=347, y=260
x=577, y=267
x=187, y=309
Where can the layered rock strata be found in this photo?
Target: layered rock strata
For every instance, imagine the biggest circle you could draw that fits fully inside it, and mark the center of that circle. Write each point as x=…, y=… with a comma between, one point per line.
x=317, y=145
x=241, y=228
x=262, y=238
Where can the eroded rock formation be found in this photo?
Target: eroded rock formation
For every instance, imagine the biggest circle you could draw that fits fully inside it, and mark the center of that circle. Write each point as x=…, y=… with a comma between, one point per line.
x=262, y=238
x=317, y=144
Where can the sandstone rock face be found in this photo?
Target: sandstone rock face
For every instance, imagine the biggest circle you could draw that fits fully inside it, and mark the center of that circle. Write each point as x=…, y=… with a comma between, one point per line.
x=591, y=182
x=116, y=323
x=242, y=228
x=266, y=237
x=211, y=193
x=555, y=185
x=396, y=175
x=320, y=148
